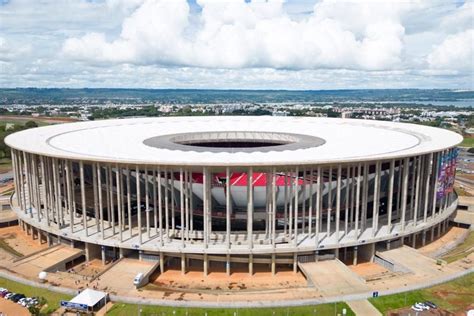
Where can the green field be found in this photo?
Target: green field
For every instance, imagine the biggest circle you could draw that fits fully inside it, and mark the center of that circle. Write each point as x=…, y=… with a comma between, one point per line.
x=121, y=309
x=454, y=296
x=53, y=299
x=467, y=142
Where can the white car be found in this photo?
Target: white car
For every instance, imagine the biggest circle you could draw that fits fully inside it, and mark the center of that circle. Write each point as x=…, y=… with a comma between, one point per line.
x=423, y=306
x=416, y=308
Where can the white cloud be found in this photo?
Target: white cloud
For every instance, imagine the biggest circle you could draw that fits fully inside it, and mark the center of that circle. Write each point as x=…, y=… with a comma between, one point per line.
x=9, y=51
x=455, y=52
x=297, y=44
x=236, y=34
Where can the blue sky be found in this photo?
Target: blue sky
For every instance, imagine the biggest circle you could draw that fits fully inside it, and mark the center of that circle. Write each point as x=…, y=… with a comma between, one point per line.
x=237, y=44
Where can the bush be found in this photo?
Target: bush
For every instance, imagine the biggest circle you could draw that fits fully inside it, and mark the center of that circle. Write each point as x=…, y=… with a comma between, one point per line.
x=31, y=124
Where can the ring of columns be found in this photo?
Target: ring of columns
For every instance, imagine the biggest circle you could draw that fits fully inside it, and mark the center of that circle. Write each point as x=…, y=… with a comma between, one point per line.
x=245, y=200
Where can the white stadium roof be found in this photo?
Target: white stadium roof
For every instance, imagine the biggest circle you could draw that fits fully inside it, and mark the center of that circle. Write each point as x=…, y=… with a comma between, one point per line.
x=150, y=140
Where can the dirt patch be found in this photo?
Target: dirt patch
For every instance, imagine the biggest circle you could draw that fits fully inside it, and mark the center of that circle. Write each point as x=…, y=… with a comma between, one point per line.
x=10, y=308
x=16, y=238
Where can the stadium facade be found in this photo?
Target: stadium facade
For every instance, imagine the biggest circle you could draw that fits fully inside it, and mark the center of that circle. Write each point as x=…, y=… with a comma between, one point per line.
x=234, y=192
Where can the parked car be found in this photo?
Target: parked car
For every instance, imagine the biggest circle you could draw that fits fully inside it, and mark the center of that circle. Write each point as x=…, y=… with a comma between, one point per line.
x=9, y=295
x=21, y=301
x=422, y=306
x=416, y=308
x=17, y=297
x=431, y=304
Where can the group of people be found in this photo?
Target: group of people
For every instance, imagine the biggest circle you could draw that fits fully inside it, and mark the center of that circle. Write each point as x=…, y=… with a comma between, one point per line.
x=94, y=278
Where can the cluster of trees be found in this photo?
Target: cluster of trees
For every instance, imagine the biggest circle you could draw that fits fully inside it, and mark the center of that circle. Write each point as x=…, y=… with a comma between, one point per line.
x=102, y=113
x=5, y=151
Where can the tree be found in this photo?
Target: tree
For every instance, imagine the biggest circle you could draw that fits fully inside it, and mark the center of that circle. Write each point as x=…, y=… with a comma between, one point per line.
x=31, y=124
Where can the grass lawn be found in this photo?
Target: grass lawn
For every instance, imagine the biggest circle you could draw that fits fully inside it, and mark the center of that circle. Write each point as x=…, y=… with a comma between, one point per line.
x=324, y=309
x=462, y=250
x=5, y=165
x=53, y=299
x=454, y=296
x=467, y=142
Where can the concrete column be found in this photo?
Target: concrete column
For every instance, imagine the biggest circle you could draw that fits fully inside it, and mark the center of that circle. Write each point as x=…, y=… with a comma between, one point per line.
x=365, y=193
x=311, y=193
x=206, y=265
x=274, y=208
x=372, y=252
x=413, y=240
x=285, y=210
x=121, y=253
x=349, y=175
x=423, y=240
x=87, y=252
x=101, y=202
x=318, y=207
x=181, y=204
x=290, y=206
x=162, y=262
x=102, y=253
x=118, y=180
x=251, y=264
x=228, y=206
x=206, y=198
x=160, y=208
x=183, y=263
x=328, y=223
x=304, y=206
x=227, y=264
x=356, y=226
x=155, y=201
x=55, y=200
x=417, y=191
x=139, y=208
x=354, y=259
x=388, y=245
x=250, y=207
x=338, y=201
x=296, y=191
x=390, y=195
x=129, y=202
x=83, y=197
x=375, y=210
x=48, y=239
x=273, y=264
x=435, y=175
x=406, y=167
x=295, y=262
x=96, y=202
x=428, y=170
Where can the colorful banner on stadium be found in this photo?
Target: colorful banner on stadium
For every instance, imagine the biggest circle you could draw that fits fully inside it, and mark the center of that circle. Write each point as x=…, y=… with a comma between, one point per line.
x=446, y=173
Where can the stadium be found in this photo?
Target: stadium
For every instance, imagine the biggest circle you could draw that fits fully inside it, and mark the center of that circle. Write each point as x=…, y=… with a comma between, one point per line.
x=233, y=193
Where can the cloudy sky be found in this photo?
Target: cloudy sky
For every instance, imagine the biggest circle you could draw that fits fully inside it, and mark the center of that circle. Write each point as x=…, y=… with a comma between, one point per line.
x=294, y=44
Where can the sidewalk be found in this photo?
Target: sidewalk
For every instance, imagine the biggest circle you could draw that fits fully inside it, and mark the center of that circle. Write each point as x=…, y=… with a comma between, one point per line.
x=363, y=308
